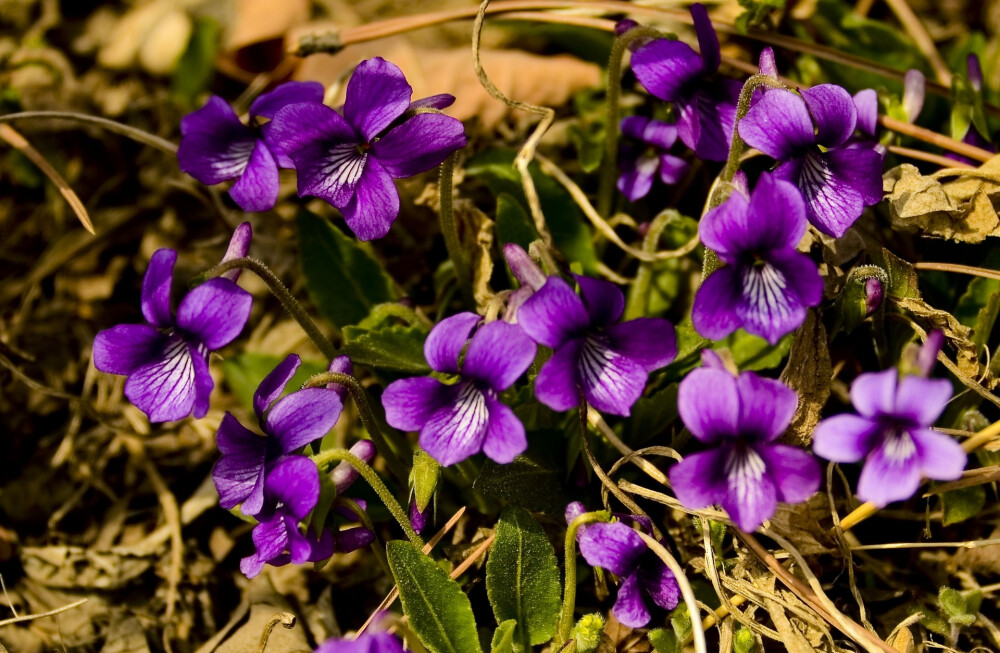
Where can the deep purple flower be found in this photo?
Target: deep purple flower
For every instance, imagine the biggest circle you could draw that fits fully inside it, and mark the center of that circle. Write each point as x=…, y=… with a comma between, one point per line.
x=744, y=471
x=619, y=549
x=648, y=156
x=807, y=135
x=457, y=421
x=215, y=146
x=290, y=492
x=350, y=160
x=166, y=360
x=289, y=423
x=673, y=71
x=364, y=643
x=766, y=285
x=892, y=433
x=609, y=361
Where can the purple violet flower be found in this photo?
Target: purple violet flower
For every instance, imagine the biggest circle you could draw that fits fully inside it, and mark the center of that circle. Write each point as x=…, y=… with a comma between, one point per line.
x=166, y=360
x=673, y=71
x=457, y=421
x=290, y=492
x=807, y=134
x=744, y=471
x=766, y=285
x=892, y=432
x=649, y=157
x=289, y=423
x=364, y=643
x=618, y=548
x=608, y=361
x=351, y=160
x=215, y=146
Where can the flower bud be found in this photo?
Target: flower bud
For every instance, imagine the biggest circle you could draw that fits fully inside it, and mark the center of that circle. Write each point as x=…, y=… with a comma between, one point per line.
x=344, y=474
x=587, y=632
x=975, y=72
x=523, y=266
x=914, y=85
x=767, y=65
x=418, y=518
x=352, y=539
x=424, y=478
x=863, y=295
x=340, y=365
x=239, y=247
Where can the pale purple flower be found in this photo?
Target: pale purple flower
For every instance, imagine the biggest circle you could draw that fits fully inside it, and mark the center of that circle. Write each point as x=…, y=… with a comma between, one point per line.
x=364, y=643
x=766, y=285
x=619, y=549
x=459, y=420
x=744, y=471
x=646, y=156
x=607, y=360
x=673, y=71
x=529, y=275
x=808, y=135
x=166, y=360
x=215, y=146
x=892, y=433
x=289, y=423
x=914, y=91
x=351, y=160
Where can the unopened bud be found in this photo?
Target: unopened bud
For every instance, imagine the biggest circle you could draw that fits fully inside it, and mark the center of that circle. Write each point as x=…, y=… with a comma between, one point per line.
x=975, y=72
x=767, y=65
x=424, y=478
x=418, y=518
x=352, y=539
x=914, y=89
x=587, y=632
x=344, y=474
x=340, y=365
x=863, y=295
x=239, y=247
x=524, y=267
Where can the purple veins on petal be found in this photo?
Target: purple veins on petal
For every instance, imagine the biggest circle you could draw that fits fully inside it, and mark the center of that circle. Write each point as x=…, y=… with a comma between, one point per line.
x=460, y=420
x=893, y=435
x=744, y=471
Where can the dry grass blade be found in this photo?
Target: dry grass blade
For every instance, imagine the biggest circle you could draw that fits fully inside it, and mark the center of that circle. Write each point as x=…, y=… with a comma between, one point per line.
x=18, y=142
x=50, y=613
x=697, y=629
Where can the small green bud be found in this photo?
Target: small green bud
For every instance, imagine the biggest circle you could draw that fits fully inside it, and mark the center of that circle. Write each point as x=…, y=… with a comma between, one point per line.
x=424, y=478
x=863, y=295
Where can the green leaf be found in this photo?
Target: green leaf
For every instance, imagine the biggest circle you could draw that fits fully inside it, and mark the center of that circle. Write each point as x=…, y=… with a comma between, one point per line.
x=244, y=373
x=503, y=637
x=565, y=221
x=343, y=279
x=952, y=602
x=588, y=139
x=978, y=308
x=680, y=619
x=522, y=579
x=652, y=415
x=963, y=503
x=663, y=641
x=196, y=66
x=439, y=612
x=744, y=641
x=395, y=347
x=532, y=481
x=513, y=224
x=753, y=352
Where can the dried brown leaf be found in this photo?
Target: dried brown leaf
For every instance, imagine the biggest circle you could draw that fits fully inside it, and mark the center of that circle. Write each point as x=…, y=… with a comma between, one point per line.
x=73, y=567
x=799, y=523
x=262, y=20
x=548, y=80
x=981, y=560
x=809, y=373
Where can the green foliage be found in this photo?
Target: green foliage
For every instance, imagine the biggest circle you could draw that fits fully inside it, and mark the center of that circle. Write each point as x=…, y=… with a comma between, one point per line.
x=744, y=641
x=664, y=641
x=564, y=219
x=439, y=611
x=389, y=347
x=652, y=414
x=756, y=12
x=680, y=619
x=587, y=632
x=966, y=109
x=522, y=579
x=533, y=480
x=963, y=503
x=503, y=637
x=424, y=478
x=960, y=608
x=753, y=352
x=196, y=66
x=244, y=373
x=343, y=279
x=513, y=224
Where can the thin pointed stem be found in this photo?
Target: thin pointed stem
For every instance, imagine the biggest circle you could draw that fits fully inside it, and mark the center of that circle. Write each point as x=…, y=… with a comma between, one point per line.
x=360, y=397
x=565, y=627
x=449, y=228
x=122, y=129
x=284, y=296
x=324, y=458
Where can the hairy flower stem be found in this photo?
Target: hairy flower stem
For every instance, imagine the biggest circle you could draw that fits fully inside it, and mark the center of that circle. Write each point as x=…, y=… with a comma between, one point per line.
x=449, y=228
x=866, y=510
x=391, y=453
x=638, y=294
x=565, y=628
x=284, y=295
x=324, y=458
x=606, y=190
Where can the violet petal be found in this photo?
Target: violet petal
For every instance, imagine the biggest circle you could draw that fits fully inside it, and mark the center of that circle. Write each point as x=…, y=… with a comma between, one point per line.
x=215, y=146
x=603, y=300
x=648, y=341
x=274, y=384
x=779, y=125
x=709, y=404
x=257, y=187
x=215, y=312
x=268, y=104
x=419, y=144
x=554, y=314
x=164, y=388
x=498, y=354
x=845, y=438
x=505, y=438
x=375, y=204
x=456, y=431
x=302, y=417
x=126, y=347
x=833, y=111
x=377, y=94
x=447, y=339
x=409, y=403
x=156, y=286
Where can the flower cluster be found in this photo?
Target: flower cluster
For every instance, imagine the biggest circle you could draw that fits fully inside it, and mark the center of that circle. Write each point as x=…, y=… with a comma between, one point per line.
x=349, y=158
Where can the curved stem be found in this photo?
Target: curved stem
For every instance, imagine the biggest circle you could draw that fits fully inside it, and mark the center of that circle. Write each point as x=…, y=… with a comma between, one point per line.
x=959, y=269
x=605, y=191
x=565, y=627
x=324, y=458
x=128, y=131
x=449, y=229
x=697, y=629
x=360, y=397
x=283, y=294
x=742, y=106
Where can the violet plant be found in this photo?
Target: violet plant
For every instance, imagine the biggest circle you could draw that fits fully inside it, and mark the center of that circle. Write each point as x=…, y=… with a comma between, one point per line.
x=499, y=401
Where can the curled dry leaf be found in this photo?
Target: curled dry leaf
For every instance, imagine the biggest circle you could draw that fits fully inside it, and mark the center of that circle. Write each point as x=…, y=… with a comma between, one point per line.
x=153, y=34
x=76, y=567
x=548, y=80
x=963, y=208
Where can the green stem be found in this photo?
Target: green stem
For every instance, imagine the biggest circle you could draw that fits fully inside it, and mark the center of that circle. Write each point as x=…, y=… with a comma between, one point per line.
x=638, y=296
x=609, y=171
x=449, y=228
x=367, y=414
x=324, y=458
x=284, y=295
x=565, y=627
